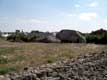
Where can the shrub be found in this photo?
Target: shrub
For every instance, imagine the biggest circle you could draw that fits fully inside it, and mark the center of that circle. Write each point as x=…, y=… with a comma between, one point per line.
x=96, y=37
x=0, y=34
x=18, y=37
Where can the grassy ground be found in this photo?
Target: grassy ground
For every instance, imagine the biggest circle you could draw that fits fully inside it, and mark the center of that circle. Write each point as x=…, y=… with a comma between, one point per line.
x=16, y=56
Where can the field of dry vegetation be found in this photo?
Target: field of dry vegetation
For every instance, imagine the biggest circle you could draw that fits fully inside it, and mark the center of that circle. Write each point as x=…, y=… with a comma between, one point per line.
x=16, y=56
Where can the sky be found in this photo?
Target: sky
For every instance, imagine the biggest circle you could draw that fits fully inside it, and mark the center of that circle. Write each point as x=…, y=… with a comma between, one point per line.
x=53, y=15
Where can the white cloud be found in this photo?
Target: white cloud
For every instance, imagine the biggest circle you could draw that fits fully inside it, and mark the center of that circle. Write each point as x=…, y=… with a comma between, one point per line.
x=105, y=20
x=30, y=21
x=77, y=5
x=67, y=14
x=88, y=16
x=22, y=20
x=93, y=4
x=70, y=15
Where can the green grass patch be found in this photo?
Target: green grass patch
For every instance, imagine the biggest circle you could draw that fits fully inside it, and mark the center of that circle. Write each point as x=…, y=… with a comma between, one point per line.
x=6, y=50
x=3, y=60
x=5, y=70
x=50, y=58
x=17, y=59
x=3, y=40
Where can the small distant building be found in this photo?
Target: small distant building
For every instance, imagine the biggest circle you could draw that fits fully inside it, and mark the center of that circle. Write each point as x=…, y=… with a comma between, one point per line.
x=6, y=34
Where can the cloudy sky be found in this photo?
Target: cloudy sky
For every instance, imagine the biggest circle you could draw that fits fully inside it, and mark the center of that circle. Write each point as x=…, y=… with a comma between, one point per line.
x=53, y=15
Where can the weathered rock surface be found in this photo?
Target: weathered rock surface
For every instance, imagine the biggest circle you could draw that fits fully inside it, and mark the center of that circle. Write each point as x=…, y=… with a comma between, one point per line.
x=84, y=67
x=70, y=36
x=4, y=78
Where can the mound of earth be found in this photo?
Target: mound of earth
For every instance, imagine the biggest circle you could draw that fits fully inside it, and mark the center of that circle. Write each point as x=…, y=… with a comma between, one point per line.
x=84, y=67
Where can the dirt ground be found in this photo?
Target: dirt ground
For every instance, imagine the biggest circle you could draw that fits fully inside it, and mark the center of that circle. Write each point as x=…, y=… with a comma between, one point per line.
x=16, y=56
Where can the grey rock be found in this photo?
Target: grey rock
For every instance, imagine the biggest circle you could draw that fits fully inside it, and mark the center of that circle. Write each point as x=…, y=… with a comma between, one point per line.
x=4, y=78
x=70, y=36
x=84, y=67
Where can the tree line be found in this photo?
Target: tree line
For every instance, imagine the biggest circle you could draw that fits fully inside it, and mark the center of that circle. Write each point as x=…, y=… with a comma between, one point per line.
x=97, y=37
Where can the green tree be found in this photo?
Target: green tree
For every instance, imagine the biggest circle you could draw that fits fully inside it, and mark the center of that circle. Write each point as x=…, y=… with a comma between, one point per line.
x=0, y=34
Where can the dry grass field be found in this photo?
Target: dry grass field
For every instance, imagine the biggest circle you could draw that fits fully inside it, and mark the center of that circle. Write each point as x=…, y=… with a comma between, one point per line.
x=16, y=56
